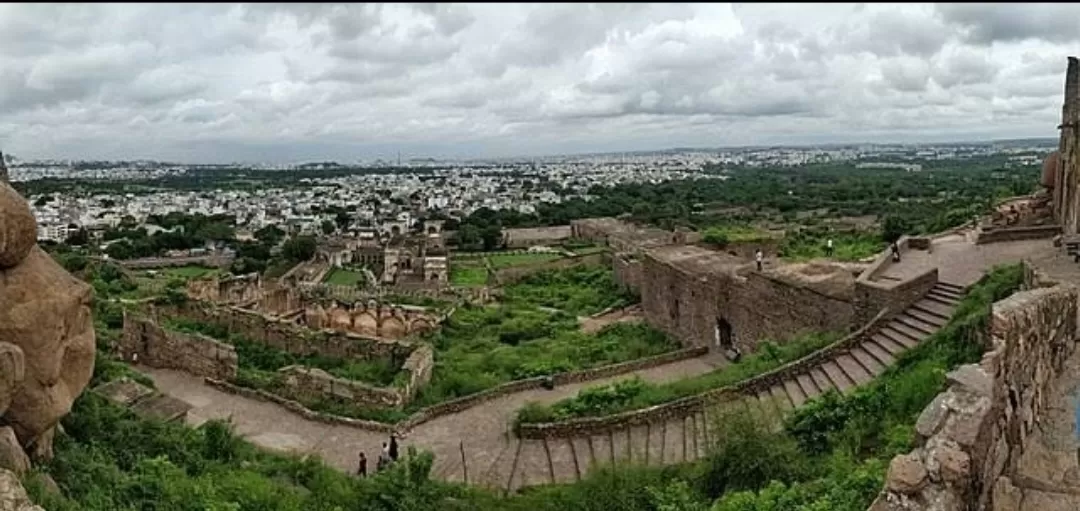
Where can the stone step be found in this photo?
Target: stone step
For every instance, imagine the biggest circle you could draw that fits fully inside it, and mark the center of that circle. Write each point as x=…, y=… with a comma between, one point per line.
x=952, y=287
x=886, y=343
x=882, y=355
x=655, y=443
x=915, y=323
x=809, y=388
x=951, y=293
x=583, y=454
x=933, y=320
x=513, y=478
x=533, y=465
x=907, y=337
x=836, y=376
x=561, y=455
x=865, y=359
x=821, y=379
x=791, y=387
x=601, y=449
x=948, y=302
x=943, y=297
x=852, y=369
x=638, y=438
x=620, y=446
x=780, y=397
x=935, y=308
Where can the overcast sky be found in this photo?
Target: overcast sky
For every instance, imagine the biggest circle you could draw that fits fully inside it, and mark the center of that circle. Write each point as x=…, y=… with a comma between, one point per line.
x=291, y=82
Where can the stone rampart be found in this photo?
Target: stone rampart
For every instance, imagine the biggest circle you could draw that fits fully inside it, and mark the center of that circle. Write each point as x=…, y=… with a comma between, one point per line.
x=144, y=342
x=628, y=271
x=995, y=235
x=872, y=296
x=288, y=336
x=694, y=404
x=972, y=435
x=309, y=383
x=420, y=364
x=213, y=260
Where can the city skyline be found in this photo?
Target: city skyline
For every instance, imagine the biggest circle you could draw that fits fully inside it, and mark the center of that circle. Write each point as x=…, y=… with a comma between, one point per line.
x=215, y=83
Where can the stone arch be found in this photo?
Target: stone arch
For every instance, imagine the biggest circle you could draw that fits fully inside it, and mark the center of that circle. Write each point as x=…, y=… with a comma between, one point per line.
x=432, y=229
x=340, y=318
x=365, y=323
x=392, y=327
x=395, y=230
x=419, y=325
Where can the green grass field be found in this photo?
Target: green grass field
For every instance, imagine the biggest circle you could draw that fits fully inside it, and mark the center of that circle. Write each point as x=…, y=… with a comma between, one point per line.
x=507, y=260
x=340, y=277
x=468, y=275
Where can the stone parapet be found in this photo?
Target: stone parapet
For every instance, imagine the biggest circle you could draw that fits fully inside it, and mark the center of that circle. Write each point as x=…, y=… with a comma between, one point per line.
x=692, y=405
x=313, y=383
x=873, y=296
x=971, y=435
x=144, y=342
x=991, y=235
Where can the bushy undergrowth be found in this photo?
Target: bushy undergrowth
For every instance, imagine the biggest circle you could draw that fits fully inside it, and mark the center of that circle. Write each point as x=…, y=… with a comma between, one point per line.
x=811, y=244
x=579, y=290
x=635, y=393
x=850, y=439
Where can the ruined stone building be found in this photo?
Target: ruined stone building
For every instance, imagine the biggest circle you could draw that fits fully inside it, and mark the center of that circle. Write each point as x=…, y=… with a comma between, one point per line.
x=708, y=298
x=395, y=257
x=1061, y=171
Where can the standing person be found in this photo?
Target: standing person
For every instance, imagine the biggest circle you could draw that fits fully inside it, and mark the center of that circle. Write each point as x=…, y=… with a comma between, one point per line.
x=828, y=247
x=759, y=257
x=384, y=458
x=895, y=252
x=393, y=447
x=362, y=469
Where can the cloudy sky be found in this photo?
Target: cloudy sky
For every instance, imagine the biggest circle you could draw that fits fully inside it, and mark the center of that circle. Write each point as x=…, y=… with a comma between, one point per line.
x=291, y=82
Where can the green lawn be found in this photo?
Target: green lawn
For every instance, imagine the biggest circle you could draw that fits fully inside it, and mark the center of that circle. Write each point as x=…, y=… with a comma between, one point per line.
x=468, y=274
x=507, y=260
x=342, y=277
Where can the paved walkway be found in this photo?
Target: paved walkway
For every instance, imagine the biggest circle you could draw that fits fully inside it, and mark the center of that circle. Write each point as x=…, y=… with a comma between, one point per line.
x=484, y=429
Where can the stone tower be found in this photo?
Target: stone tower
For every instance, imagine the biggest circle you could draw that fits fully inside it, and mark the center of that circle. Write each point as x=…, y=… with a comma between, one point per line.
x=1067, y=180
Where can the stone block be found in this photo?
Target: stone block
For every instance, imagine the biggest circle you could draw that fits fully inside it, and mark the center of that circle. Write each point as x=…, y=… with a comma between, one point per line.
x=906, y=474
x=933, y=417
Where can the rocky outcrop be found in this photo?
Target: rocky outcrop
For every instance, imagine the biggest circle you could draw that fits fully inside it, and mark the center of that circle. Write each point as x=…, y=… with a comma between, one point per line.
x=12, y=495
x=46, y=333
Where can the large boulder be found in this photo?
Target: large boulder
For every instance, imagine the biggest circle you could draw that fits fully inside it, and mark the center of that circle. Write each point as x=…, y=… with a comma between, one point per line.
x=12, y=370
x=45, y=314
x=18, y=229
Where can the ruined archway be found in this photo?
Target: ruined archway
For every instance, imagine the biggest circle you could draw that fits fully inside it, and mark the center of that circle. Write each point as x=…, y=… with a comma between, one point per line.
x=724, y=338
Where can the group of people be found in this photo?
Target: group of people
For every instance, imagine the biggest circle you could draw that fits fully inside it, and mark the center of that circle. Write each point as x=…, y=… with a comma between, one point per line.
x=388, y=455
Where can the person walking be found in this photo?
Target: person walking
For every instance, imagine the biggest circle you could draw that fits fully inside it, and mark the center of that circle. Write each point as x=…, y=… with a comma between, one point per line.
x=828, y=247
x=393, y=447
x=759, y=257
x=362, y=469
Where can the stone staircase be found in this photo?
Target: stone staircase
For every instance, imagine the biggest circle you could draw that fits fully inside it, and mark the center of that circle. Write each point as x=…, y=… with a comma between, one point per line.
x=528, y=462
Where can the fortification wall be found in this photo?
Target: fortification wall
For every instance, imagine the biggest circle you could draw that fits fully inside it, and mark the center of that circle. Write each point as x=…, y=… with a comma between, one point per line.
x=690, y=307
x=510, y=275
x=628, y=271
x=972, y=435
x=145, y=342
x=996, y=235
x=288, y=336
x=872, y=296
x=371, y=319
x=692, y=405
x=309, y=383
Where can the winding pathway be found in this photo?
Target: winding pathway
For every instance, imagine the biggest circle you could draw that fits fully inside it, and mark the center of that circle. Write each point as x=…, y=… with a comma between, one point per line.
x=496, y=458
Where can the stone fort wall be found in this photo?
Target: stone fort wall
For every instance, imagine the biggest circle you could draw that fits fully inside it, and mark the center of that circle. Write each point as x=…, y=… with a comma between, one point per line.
x=689, y=306
x=972, y=435
x=144, y=342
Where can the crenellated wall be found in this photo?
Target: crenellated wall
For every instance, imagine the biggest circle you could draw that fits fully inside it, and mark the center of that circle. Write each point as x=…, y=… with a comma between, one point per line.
x=371, y=319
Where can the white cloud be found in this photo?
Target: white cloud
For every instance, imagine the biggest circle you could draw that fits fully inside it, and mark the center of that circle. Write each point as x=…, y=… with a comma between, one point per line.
x=213, y=82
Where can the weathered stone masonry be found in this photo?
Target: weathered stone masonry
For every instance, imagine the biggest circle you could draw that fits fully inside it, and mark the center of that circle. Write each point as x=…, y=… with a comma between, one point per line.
x=147, y=343
x=972, y=435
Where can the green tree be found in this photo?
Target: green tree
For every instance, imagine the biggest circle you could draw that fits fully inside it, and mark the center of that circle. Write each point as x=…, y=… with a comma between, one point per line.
x=893, y=227
x=327, y=227
x=300, y=248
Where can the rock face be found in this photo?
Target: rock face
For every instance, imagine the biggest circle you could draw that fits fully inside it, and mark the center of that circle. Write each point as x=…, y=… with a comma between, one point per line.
x=12, y=495
x=46, y=332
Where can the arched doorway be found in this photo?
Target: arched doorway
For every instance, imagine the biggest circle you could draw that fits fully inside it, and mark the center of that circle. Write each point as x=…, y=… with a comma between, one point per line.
x=724, y=337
